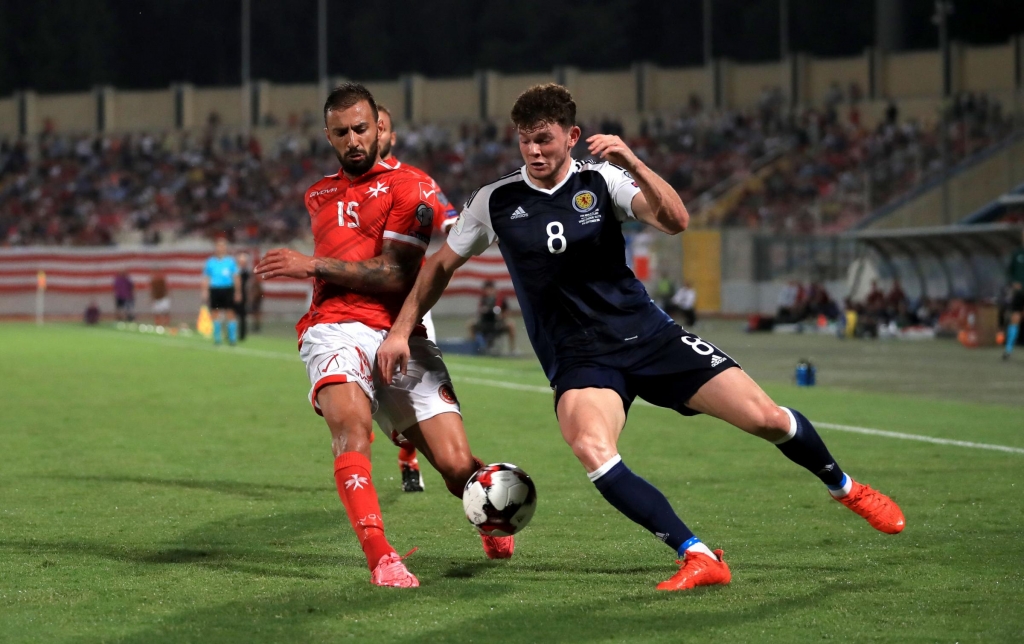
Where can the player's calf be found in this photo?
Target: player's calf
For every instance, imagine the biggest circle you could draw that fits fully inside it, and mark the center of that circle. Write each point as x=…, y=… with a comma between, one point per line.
x=804, y=446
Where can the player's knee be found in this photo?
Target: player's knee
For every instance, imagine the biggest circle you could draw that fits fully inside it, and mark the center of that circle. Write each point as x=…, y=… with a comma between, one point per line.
x=592, y=451
x=347, y=435
x=771, y=422
x=456, y=468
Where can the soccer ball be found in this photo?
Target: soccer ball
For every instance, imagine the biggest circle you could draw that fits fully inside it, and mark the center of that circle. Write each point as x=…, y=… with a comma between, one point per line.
x=499, y=499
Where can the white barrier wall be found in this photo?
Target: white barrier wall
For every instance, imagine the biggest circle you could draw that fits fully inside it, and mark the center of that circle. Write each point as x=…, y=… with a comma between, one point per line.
x=671, y=88
x=227, y=103
x=821, y=73
x=141, y=110
x=67, y=112
x=912, y=75
x=8, y=116
x=744, y=85
x=503, y=90
x=603, y=93
x=389, y=93
x=453, y=100
x=987, y=69
x=288, y=102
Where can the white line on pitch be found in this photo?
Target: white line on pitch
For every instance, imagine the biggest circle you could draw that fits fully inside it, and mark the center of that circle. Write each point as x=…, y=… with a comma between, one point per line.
x=841, y=428
x=918, y=437
x=258, y=353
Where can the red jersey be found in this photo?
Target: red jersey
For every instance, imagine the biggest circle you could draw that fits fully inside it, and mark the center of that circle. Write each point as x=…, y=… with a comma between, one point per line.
x=350, y=221
x=447, y=220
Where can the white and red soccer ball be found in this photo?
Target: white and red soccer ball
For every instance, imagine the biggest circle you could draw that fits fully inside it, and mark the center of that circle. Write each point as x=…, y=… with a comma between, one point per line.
x=499, y=499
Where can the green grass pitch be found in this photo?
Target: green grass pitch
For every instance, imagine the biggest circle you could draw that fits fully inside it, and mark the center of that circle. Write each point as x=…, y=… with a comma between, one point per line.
x=154, y=489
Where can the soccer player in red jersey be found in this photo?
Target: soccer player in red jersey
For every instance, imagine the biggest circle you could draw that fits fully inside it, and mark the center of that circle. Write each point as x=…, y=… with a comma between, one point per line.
x=408, y=464
x=371, y=225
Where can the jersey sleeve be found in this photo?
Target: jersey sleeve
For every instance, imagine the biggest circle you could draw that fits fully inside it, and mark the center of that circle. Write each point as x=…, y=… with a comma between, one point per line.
x=472, y=233
x=622, y=189
x=447, y=219
x=208, y=267
x=412, y=214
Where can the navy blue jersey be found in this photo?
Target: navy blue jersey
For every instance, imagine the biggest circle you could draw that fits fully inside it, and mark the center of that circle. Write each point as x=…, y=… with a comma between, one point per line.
x=567, y=259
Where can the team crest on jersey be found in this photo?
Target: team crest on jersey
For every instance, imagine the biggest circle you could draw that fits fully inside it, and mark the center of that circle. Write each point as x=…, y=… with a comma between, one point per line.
x=584, y=201
x=428, y=190
x=447, y=393
x=424, y=214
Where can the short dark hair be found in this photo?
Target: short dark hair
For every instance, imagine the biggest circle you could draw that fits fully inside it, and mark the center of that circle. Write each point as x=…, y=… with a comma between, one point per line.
x=384, y=108
x=346, y=95
x=548, y=103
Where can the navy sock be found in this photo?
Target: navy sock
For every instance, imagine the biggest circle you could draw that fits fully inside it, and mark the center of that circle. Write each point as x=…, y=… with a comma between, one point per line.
x=805, y=448
x=641, y=502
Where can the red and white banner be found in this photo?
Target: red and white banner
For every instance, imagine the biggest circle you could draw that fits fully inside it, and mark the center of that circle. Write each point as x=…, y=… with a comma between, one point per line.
x=91, y=271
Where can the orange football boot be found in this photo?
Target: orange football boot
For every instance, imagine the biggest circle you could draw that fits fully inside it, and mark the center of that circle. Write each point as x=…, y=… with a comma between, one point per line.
x=698, y=569
x=880, y=511
x=498, y=547
x=390, y=571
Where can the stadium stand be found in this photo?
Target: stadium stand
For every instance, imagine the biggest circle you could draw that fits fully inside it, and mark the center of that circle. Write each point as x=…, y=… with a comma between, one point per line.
x=97, y=190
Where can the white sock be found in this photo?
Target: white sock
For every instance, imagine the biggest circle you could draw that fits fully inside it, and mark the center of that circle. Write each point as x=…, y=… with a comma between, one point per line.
x=601, y=471
x=702, y=549
x=843, y=490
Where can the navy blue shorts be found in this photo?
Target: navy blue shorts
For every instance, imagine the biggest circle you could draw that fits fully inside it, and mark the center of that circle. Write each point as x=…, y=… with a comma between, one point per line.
x=1017, y=301
x=668, y=375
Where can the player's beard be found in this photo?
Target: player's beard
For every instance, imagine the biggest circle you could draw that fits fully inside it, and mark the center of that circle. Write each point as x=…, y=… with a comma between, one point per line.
x=385, y=147
x=358, y=168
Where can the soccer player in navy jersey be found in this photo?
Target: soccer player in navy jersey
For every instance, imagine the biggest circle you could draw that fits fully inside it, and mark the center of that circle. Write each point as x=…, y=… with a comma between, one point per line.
x=600, y=339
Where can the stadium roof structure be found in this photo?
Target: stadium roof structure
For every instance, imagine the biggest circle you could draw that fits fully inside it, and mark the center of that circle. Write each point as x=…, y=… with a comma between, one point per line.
x=998, y=207
x=944, y=261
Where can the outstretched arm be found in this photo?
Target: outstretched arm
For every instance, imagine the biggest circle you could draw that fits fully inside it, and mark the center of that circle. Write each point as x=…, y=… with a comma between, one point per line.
x=657, y=204
x=393, y=271
x=433, y=279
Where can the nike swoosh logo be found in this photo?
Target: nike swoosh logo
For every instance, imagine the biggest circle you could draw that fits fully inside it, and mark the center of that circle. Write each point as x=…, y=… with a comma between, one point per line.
x=429, y=193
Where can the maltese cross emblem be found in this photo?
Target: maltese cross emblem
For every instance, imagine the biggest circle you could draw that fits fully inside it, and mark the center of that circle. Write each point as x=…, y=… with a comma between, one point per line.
x=356, y=482
x=374, y=191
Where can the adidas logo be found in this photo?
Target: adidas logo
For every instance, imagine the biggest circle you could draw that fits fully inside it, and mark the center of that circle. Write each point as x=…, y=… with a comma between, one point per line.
x=519, y=214
x=716, y=360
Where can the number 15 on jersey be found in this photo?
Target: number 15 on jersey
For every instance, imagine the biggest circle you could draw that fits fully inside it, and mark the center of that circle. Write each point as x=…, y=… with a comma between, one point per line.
x=348, y=210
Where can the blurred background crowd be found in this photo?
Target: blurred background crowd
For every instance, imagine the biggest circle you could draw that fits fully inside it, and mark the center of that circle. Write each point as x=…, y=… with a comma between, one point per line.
x=790, y=170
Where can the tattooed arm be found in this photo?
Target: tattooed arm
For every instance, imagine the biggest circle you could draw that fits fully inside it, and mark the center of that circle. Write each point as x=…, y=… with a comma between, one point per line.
x=393, y=271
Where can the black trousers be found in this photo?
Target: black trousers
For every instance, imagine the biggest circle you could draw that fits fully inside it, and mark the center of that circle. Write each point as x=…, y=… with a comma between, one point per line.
x=241, y=311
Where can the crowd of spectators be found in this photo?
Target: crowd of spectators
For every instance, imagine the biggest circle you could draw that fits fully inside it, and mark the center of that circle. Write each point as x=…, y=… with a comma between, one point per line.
x=88, y=191
x=93, y=190
x=894, y=311
x=837, y=171
x=799, y=303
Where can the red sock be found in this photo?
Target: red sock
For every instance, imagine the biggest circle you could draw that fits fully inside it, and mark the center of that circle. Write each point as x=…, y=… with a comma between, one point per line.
x=407, y=453
x=355, y=487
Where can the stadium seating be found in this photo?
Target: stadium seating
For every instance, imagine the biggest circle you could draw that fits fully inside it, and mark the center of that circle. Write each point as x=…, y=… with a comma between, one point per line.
x=765, y=168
